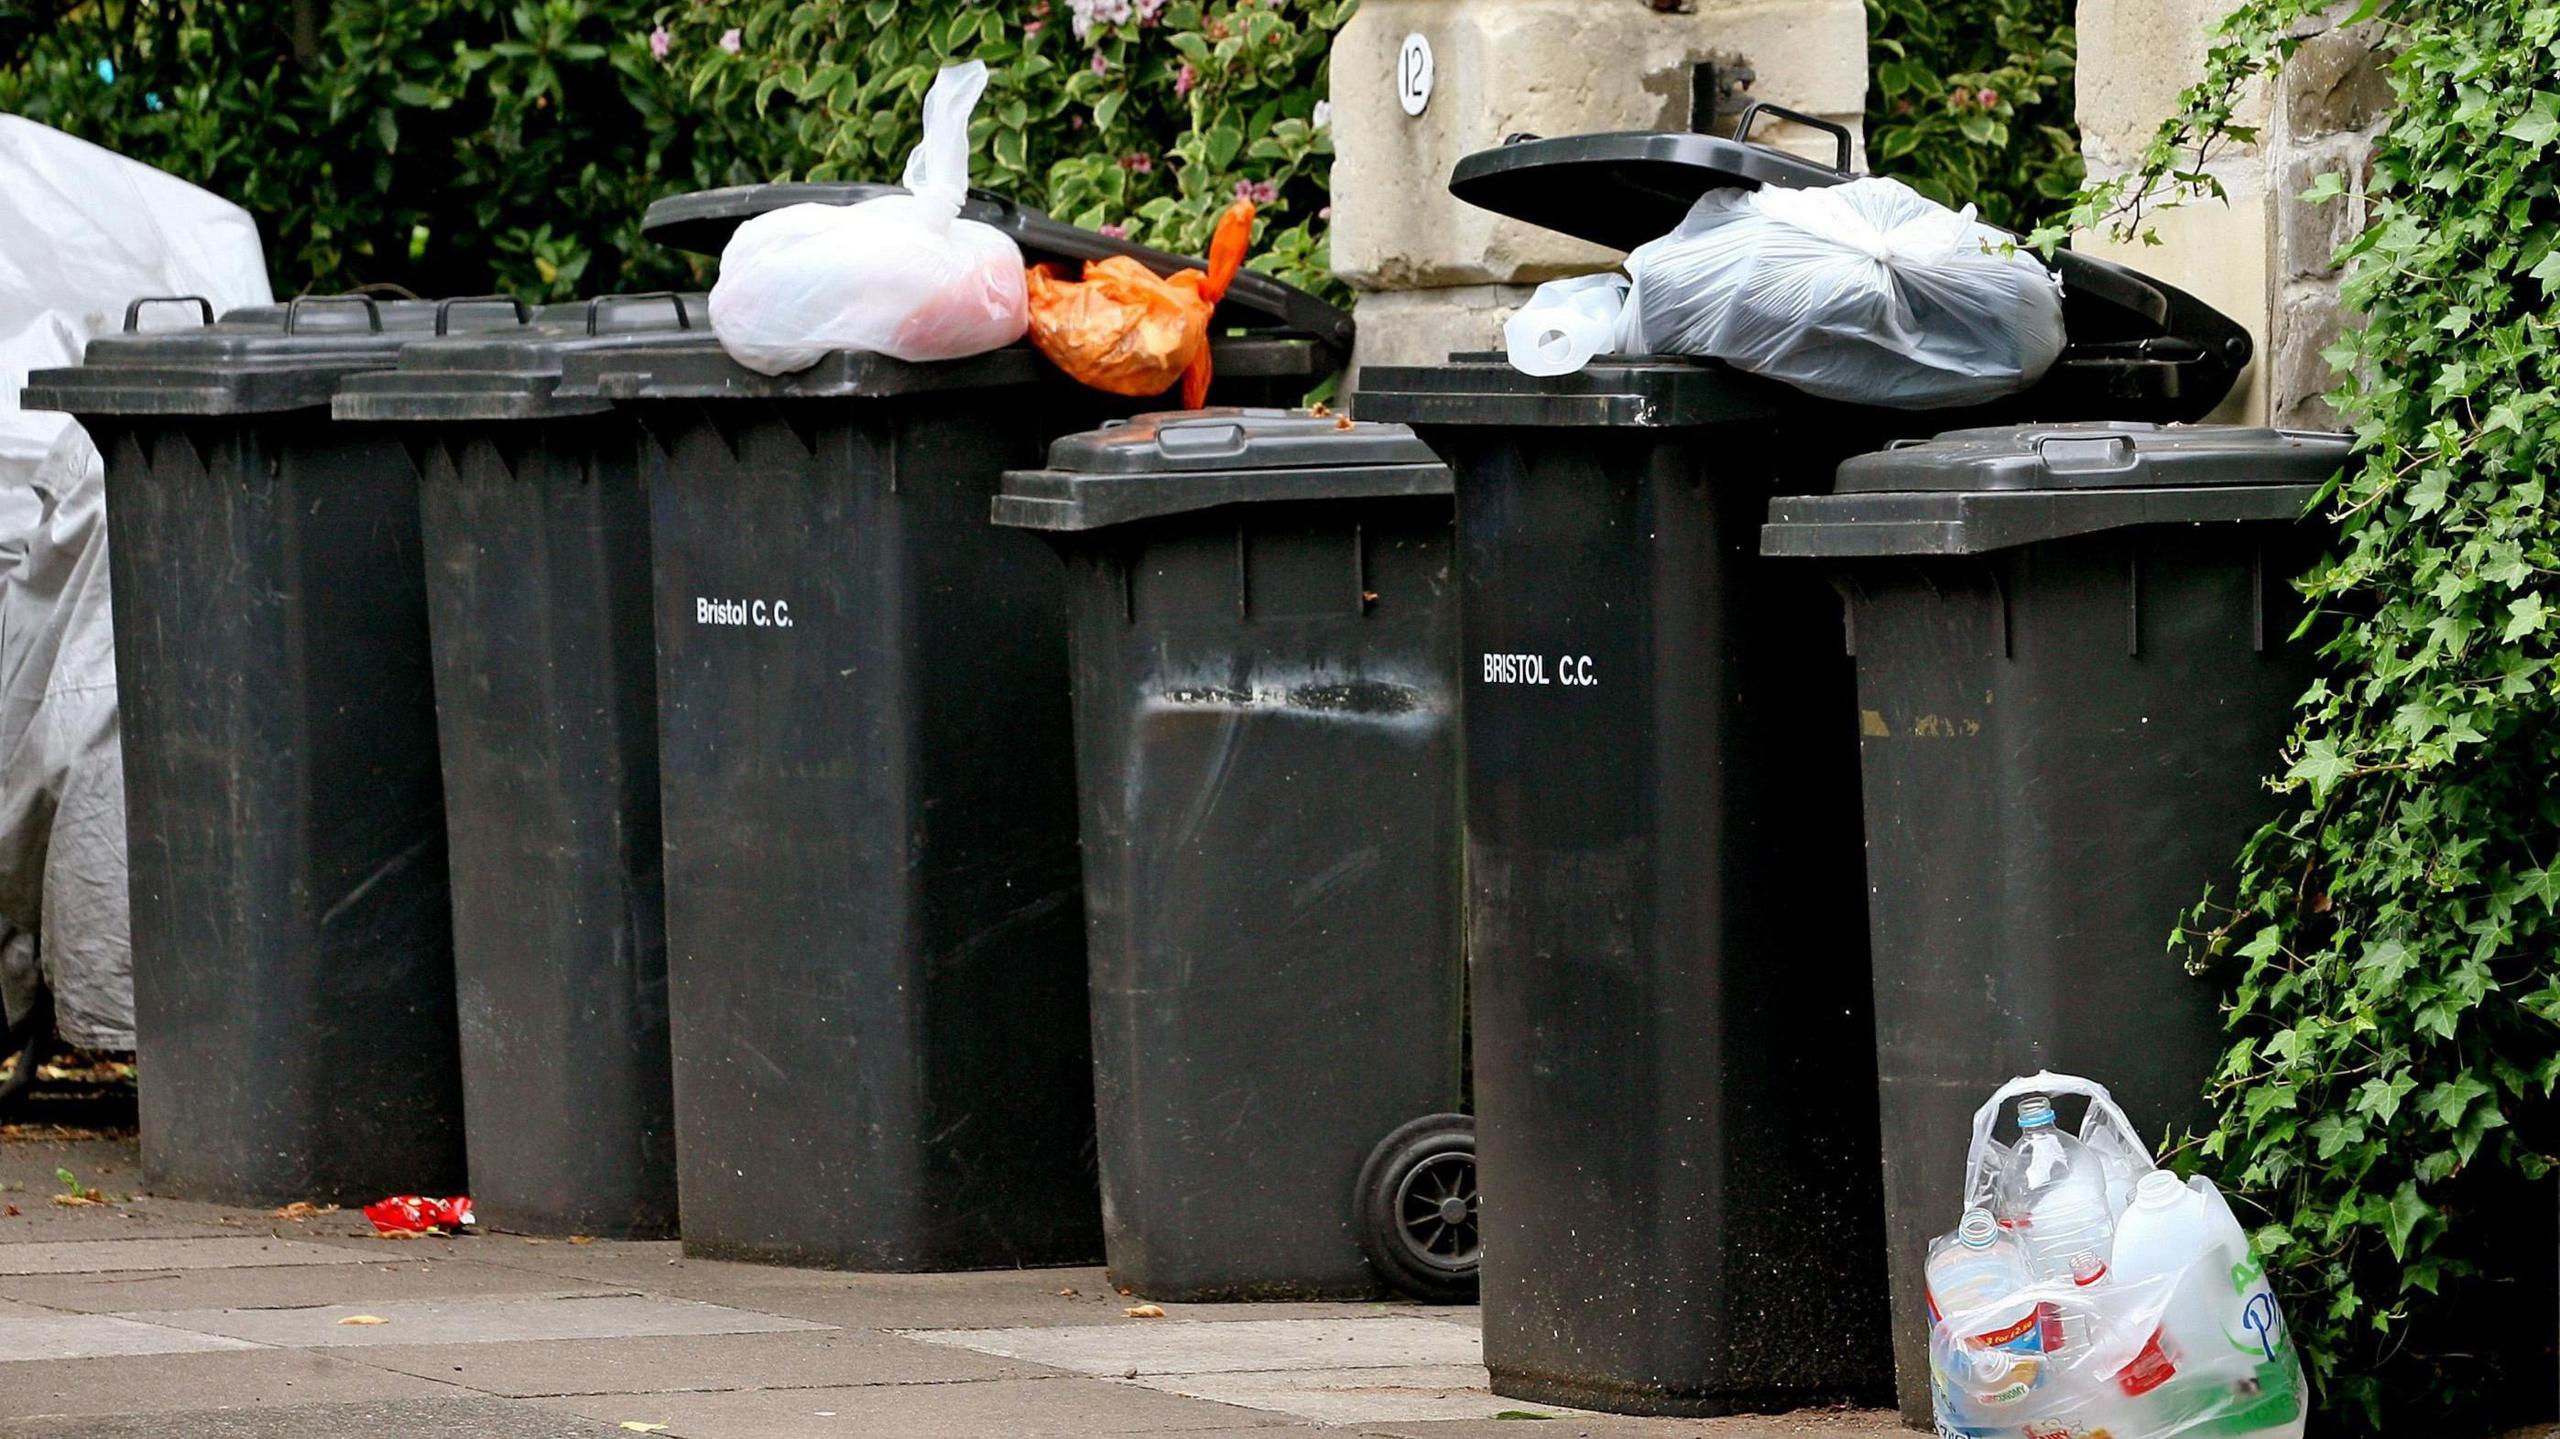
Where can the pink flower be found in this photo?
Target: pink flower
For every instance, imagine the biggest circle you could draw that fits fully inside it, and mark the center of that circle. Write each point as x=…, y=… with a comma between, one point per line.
x=1988, y=98
x=1100, y=65
x=1150, y=10
x=1183, y=81
x=1138, y=164
x=1960, y=99
x=1323, y=116
x=1116, y=232
x=1033, y=27
x=659, y=42
x=732, y=41
x=1325, y=214
x=1260, y=192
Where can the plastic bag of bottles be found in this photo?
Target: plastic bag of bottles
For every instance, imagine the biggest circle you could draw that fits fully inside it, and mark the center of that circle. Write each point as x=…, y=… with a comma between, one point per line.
x=2088, y=1294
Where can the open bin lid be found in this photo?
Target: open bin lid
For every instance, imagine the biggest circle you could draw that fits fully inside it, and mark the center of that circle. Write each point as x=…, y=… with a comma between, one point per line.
x=1174, y=463
x=2133, y=339
x=255, y=360
x=702, y=223
x=1974, y=491
x=512, y=372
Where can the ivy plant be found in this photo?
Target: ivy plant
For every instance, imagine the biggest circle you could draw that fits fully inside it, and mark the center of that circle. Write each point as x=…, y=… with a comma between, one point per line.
x=2393, y=947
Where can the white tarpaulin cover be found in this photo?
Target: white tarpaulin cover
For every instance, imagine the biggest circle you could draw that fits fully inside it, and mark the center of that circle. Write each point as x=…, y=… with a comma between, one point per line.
x=83, y=232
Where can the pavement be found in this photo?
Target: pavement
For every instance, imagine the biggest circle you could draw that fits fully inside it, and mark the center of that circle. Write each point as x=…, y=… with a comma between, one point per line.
x=145, y=1316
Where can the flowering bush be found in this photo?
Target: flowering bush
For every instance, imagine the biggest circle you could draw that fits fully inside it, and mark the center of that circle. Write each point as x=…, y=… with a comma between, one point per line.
x=1972, y=104
x=1142, y=118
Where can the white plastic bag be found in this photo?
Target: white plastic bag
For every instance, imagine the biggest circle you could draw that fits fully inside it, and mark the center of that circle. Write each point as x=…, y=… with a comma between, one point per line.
x=902, y=275
x=1566, y=324
x=2186, y=1340
x=1867, y=292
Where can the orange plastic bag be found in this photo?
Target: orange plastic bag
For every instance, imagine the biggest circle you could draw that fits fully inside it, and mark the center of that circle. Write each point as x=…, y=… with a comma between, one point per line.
x=1127, y=330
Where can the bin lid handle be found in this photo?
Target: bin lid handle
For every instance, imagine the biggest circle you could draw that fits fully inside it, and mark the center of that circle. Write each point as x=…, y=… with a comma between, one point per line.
x=595, y=307
x=293, y=310
x=1839, y=133
x=444, y=309
x=133, y=312
x=2086, y=454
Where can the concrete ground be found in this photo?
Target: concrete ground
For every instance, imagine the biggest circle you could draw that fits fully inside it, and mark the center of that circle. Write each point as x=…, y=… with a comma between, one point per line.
x=142, y=1316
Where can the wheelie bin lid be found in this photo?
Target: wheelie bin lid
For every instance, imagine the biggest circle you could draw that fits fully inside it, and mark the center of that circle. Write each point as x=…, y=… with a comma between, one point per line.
x=258, y=359
x=513, y=373
x=702, y=223
x=1974, y=491
x=2138, y=347
x=1177, y=462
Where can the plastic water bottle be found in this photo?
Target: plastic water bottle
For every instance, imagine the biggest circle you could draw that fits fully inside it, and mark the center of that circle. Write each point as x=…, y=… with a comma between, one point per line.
x=1980, y=1293
x=2221, y=1321
x=2052, y=1194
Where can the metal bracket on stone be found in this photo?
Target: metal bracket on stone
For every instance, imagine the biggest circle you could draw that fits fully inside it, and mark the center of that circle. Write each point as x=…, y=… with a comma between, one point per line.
x=1719, y=86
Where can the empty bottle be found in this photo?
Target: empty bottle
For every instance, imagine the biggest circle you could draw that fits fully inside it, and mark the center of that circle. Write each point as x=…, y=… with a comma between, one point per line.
x=2052, y=1194
x=1980, y=1295
x=2221, y=1321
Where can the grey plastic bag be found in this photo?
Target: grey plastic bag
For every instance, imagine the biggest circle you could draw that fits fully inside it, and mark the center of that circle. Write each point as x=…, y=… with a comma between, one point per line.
x=1866, y=292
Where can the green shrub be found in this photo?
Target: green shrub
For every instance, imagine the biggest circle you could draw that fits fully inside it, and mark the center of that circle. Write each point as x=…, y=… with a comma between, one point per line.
x=456, y=146
x=1972, y=103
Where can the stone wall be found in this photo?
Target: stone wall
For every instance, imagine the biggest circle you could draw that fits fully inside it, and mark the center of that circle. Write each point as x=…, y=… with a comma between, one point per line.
x=1436, y=275
x=2262, y=257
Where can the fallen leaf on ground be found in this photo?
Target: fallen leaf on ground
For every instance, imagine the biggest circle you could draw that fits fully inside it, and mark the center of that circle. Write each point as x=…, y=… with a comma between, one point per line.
x=1144, y=1311
x=364, y=1319
x=636, y=1427
x=1063, y=1293
x=408, y=1233
x=77, y=1201
x=13, y=1211
x=582, y=1239
x=302, y=1209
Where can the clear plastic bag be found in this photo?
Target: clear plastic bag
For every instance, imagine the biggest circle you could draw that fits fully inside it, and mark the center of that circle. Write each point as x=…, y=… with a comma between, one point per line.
x=902, y=275
x=1866, y=292
x=2176, y=1333
x=1566, y=324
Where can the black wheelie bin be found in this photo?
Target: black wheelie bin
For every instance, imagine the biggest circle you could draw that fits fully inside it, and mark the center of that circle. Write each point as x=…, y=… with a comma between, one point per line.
x=292, y=958
x=1673, y=1037
x=536, y=537
x=2074, y=668
x=875, y=936
x=1264, y=628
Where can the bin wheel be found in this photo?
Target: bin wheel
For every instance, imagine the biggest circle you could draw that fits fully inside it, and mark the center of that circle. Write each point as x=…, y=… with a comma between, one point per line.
x=1419, y=1209
x=29, y=1041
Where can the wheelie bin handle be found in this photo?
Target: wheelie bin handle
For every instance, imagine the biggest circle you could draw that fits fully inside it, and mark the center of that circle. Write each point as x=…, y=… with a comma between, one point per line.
x=133, y=312
x=293, y=309
x=444, y=308
x=595, y=307
x=1757, y=108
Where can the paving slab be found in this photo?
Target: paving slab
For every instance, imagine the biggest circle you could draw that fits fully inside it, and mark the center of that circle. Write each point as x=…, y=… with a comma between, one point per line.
x=1568, y=1424
x=108, y=1256
x=376, y=1419
x=476, y=1321
x=1008, y=1299
x=92, y=1336
x=1057, y=1408
x=237, y=1378
x=1178, y=1346
x=292, y=1287
x=38, y=1217
x=1351, y=1396
x=831, y=1358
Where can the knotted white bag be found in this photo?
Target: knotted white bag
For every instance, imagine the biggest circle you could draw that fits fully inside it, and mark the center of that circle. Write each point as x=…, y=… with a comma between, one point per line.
x=1866, y=292
x=902, y=275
